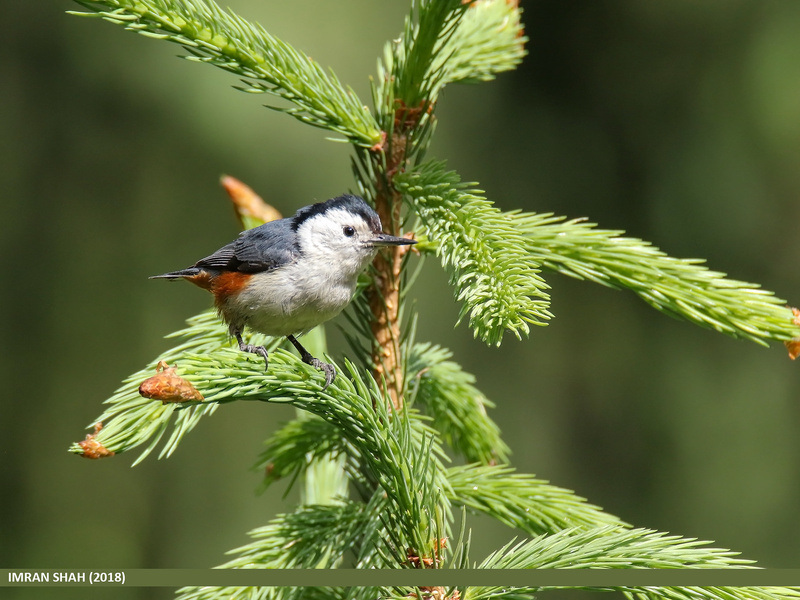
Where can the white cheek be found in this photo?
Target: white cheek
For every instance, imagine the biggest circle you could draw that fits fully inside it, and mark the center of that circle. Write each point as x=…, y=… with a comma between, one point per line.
x=333, y=255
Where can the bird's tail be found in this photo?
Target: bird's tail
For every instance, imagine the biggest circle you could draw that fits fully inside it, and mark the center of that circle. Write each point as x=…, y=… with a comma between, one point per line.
x=182, y=274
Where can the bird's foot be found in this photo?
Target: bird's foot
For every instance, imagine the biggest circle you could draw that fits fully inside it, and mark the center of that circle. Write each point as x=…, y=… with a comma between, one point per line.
x=327, y=368
x=305, y=356
x=260, y=350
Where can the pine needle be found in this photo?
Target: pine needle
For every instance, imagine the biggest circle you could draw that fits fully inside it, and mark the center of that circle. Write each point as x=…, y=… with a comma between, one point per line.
x=492, y=273
x=683, y=288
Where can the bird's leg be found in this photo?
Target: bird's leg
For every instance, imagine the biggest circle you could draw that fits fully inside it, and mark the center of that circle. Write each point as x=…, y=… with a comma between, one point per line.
x=260, y=350
x=305, y=356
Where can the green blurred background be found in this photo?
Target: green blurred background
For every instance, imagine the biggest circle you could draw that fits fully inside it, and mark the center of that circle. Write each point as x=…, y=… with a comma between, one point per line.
x=676, y=121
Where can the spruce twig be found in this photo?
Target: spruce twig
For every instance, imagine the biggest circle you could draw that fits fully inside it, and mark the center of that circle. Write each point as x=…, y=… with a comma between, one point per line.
x=492, y=273
x=522, y=501
x=293, y=447
x=611, y=548
x=429, y=27
x=131, y=420
x=447, y=394
x=489, y=40
x=281, y=545
x=680, y=287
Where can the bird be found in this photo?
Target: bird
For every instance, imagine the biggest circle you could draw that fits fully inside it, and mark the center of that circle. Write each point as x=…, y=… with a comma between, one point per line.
x=287, y=276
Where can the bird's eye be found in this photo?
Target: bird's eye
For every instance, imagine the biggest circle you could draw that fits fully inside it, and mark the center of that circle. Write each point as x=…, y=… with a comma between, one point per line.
x=349, y=231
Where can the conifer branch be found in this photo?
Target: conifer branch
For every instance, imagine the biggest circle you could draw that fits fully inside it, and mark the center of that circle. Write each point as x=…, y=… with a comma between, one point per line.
x=426, y=31
x=290, y=449
x=683, y=288
x=131, y=420
x=285, y=544
x=518, y=500
x=282, y=544
x=269, y=65
x=489, y=40
x=492, y=272
x=522, y=501
x=456, y=406
x=398, y=453
x=650, y=592
x=314, y=449
x=447, y=42
x=612, y=548
x=712, y=593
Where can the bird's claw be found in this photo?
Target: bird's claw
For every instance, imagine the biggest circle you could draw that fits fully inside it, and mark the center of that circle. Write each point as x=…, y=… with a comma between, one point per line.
x=260, y=350
x=328, y=369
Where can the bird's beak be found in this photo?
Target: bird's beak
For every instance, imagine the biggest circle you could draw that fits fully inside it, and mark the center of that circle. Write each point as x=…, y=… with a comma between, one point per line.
x=383, y=239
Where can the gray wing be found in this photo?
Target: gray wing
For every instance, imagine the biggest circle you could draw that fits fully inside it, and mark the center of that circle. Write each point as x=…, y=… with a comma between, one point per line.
x=262, y=248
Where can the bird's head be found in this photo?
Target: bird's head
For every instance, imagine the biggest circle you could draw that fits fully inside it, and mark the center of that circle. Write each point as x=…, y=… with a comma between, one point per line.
x=345, y=231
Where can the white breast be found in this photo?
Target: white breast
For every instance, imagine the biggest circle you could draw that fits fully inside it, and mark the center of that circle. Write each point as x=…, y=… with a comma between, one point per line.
x=290, y=300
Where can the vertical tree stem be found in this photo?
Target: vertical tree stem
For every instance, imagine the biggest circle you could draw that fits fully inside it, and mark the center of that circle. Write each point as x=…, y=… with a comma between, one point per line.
x=384, y=296
x=384, y=301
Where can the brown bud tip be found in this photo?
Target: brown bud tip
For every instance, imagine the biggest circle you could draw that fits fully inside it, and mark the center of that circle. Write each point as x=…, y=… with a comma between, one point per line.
x=92, y=448
x=166, y=385
x=416, y=561
x=380, y=145
x=435, y=593
x=793, y=345
x=247, y=203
